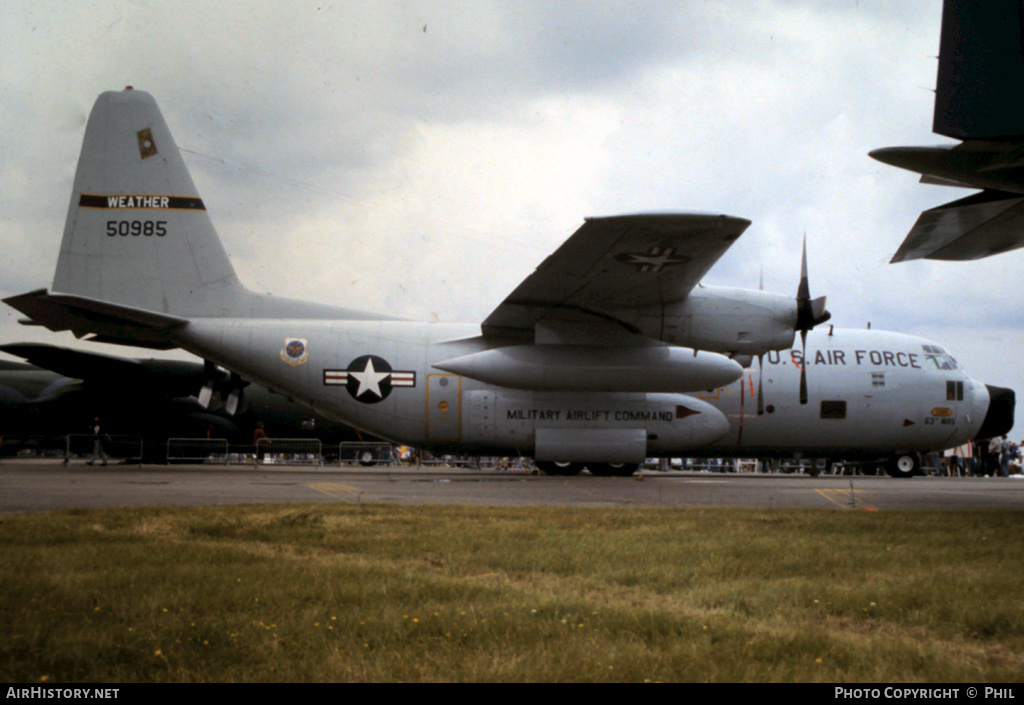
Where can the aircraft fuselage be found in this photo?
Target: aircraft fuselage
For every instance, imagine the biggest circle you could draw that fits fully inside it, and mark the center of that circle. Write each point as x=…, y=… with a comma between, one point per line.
x=870, y=393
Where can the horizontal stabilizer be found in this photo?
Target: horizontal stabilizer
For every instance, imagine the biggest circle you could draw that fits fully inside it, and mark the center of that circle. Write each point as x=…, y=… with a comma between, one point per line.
x=83, y=316
x=984, y=224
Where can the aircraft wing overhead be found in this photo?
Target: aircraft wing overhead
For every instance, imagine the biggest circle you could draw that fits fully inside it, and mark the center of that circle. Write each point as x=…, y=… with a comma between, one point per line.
x=82, y=364
x=619, y=262
x=984, y=224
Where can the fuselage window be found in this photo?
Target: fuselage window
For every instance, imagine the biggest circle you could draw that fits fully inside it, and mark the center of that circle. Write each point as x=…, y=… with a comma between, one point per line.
x=833, y=409
x=942, y=359
x=954, y=391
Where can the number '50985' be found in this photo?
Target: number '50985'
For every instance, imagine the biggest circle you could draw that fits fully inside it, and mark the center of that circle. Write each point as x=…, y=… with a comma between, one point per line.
x=135, y=228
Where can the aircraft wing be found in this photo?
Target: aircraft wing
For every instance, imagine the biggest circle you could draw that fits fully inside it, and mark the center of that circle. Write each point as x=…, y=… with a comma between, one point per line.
x=170, y=377
x=984, y=224
x=619, y=262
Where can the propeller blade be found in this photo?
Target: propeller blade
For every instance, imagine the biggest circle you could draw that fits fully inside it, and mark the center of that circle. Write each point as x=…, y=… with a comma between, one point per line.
x=760, y=385
x=803, y=367
x=231, y=405
x=818, y=311
x=803, y=292
x=235, y=385
x=809, y=313
x=205, y=394
x=211, y=375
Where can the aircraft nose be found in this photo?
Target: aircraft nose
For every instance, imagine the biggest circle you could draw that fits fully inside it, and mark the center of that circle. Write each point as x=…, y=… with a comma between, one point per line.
x=999, y=418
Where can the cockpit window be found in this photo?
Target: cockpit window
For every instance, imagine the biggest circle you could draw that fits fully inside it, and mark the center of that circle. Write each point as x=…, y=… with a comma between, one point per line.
x=942, y=359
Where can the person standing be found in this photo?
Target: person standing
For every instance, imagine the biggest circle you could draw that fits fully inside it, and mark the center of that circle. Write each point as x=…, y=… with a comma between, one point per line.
x=97, y=442
x=259, y=434
x=990, y=461
x=1005, y=452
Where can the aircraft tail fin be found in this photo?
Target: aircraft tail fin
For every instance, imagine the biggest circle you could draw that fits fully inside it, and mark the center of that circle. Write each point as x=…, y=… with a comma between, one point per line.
x=140, y=256
x=981, y=70
x=137, y=232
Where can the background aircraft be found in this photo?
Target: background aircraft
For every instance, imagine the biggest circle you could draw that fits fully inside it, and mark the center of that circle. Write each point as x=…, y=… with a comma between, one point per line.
x=603, y=356
x=978, y=100
x=62, y=390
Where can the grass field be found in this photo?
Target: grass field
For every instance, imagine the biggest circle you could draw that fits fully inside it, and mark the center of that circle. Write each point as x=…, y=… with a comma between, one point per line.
x=427, y=593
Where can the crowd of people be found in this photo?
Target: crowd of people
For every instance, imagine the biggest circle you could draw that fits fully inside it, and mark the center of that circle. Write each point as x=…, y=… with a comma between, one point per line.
x=997, y=456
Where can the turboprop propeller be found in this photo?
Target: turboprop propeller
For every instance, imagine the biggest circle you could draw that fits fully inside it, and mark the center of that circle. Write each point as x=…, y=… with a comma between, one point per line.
x=230, y=386
x=809, y=313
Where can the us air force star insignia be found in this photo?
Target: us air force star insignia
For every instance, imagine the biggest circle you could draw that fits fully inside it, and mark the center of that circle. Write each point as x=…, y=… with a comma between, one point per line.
x=296, y=351
x=656, y=259
x=369, y=379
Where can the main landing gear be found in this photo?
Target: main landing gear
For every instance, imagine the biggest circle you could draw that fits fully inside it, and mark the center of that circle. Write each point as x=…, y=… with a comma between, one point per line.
x=612, y=469
x=598, y=469
x=903, y=466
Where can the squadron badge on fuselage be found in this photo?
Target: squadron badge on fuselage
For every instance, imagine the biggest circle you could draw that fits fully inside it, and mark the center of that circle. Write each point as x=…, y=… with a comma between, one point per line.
x=369, y=379
x=296, y=351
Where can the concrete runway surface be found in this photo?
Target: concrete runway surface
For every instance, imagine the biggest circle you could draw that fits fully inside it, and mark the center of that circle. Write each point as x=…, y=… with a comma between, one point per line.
x=37, y=485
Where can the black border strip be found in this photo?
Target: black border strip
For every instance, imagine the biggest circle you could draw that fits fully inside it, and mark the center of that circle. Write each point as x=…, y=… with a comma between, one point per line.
x=185, y=203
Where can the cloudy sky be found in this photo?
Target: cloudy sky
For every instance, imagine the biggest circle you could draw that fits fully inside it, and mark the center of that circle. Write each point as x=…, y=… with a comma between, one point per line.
x=422, y=158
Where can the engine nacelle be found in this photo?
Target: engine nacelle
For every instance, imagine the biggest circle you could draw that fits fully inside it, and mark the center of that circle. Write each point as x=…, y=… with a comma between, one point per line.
x=730, y=321
x=593, y=368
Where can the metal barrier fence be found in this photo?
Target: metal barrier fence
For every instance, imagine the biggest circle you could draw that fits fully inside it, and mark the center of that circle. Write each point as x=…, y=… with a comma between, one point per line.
x=456, y=460
x=103, y=448
x=17, y=445
x=198, y=450
x=365, y=453
x=289, y=451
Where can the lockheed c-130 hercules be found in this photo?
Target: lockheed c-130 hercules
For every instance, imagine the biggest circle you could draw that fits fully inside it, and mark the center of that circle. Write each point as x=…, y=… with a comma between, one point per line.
x=608, y=353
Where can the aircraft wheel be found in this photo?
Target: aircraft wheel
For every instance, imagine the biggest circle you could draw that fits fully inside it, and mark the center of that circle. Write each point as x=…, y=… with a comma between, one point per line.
x=559, y=467
x=366, y=458
x=612, y=469
x=903, y=466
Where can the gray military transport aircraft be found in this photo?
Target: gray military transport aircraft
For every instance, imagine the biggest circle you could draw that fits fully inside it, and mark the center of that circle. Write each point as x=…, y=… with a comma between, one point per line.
x=608, y=353
x=62, y=390
x=978, y=100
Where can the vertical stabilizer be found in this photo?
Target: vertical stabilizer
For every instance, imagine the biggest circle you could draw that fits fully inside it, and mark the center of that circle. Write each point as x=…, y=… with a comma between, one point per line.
x=137, y=232
x=980, y=88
